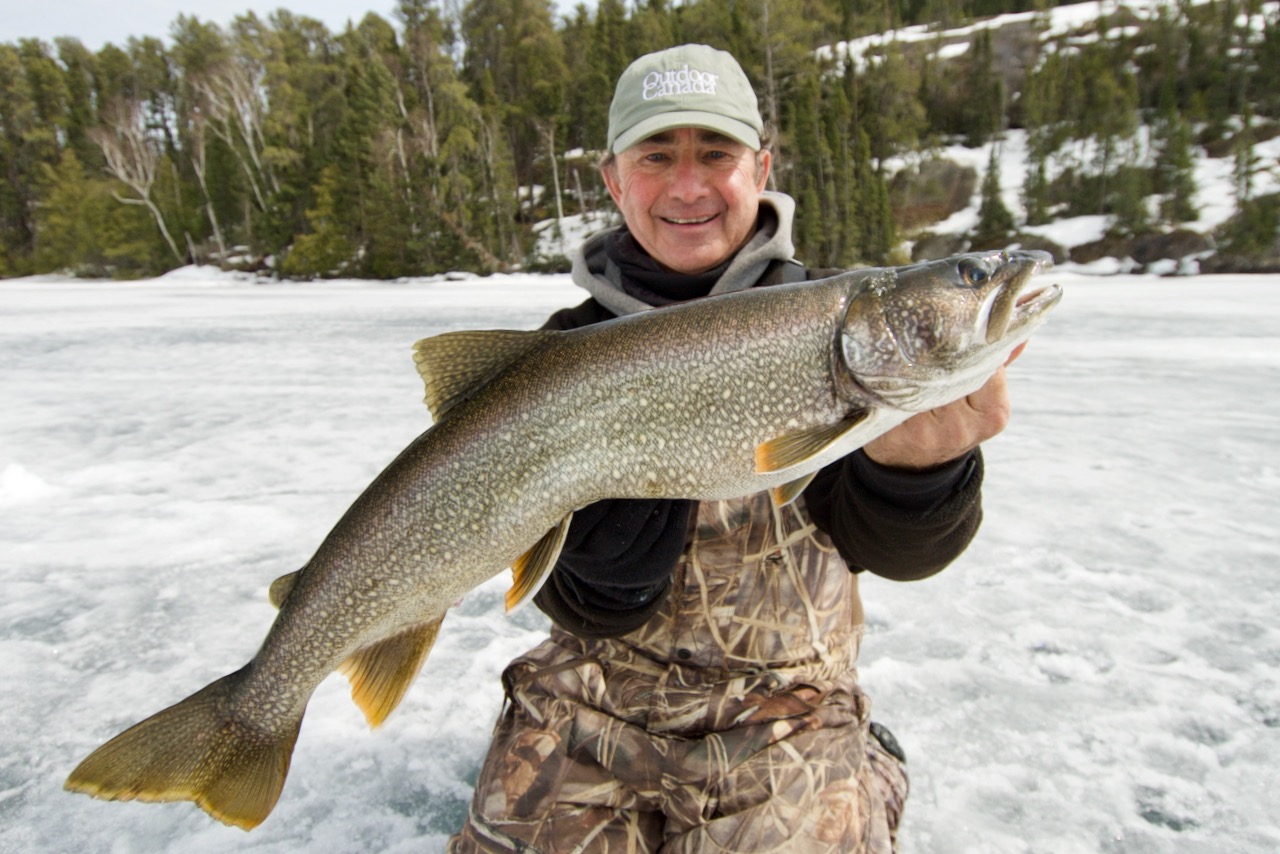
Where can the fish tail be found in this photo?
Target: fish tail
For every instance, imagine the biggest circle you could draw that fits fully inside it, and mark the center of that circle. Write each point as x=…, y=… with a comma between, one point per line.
x=195, y=750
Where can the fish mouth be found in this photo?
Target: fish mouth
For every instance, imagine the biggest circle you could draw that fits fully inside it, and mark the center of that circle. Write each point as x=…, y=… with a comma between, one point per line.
x=1011, y=307
x=1039, y=300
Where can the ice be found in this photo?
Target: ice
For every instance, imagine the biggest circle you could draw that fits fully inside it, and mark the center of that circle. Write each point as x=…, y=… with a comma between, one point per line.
x=1100, y=671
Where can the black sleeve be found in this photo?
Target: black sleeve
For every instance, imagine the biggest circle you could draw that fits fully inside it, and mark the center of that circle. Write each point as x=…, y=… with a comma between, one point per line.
x=899, y=525
x=615, y=570
x=583, y=314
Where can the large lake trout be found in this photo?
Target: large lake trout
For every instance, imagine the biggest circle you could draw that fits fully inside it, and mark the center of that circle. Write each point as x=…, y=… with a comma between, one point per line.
x=716, y=398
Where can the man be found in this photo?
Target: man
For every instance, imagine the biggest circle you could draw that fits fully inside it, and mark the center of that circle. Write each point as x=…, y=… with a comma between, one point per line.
x=699, y=690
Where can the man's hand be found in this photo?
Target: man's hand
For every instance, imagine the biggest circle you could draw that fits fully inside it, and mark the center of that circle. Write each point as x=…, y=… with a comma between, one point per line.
x=941, y=435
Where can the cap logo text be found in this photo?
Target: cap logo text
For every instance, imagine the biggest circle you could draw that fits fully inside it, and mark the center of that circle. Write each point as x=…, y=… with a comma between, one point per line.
x=678, y=81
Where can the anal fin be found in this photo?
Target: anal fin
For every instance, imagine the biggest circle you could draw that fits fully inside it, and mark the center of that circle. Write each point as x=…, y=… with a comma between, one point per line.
x=532, y=568
x=788, y=492
x=381, y=672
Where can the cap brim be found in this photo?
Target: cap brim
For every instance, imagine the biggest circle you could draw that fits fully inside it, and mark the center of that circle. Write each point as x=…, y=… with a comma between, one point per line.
x=732, y=128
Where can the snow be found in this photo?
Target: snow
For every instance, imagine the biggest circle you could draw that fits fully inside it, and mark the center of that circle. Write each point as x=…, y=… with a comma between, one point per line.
x=1215, y=199
x=574, y=229
x=1059, y=22
x=1100, y=671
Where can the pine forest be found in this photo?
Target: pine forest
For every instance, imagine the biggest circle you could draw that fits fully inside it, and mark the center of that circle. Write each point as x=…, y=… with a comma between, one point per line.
x=450, y=136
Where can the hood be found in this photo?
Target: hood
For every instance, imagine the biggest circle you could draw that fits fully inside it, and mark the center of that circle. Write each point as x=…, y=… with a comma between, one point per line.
x=596, y=274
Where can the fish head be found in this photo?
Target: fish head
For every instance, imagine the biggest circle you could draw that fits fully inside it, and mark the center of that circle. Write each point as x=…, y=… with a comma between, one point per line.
x=924, y=335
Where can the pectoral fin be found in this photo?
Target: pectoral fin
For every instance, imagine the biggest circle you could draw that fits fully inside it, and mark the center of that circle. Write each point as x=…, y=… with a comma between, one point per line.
x=381, y=673
x=455, y=365
x=798, y=448
x=532, y=568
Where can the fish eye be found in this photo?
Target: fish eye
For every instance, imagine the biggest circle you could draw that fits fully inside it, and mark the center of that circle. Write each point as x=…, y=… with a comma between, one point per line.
x=973, y=273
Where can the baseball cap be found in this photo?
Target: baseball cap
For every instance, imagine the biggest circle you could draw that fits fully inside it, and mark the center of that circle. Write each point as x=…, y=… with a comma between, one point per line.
x=692, y=85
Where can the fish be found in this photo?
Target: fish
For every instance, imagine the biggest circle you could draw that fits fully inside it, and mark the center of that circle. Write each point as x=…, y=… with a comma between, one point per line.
x=715, y=398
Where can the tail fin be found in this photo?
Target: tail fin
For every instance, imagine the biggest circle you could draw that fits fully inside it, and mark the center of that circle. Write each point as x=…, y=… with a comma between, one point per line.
x=194, y=751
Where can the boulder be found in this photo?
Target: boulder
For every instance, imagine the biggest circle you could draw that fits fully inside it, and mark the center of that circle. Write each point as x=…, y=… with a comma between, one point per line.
x=931, y=247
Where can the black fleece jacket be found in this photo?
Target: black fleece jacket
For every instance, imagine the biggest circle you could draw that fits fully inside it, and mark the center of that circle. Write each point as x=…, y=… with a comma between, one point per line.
x=615, y=569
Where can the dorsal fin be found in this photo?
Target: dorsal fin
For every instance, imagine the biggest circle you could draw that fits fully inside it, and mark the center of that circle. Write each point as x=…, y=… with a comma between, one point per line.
x=455, y=365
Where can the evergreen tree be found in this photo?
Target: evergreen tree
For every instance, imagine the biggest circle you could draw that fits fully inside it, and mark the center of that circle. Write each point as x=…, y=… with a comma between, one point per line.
x=1245, y=160
x=299, y=133
x=18, y=157
x=653, y=25
x=232, y=106
x=198, y=49
x=438, y=141
x=515, y=63
x=1046, y=106
x=327, y=249
x=372, y=210
x=805, y=174
x=789, y=30
x=68, y=239
x=78, y=66
x=983, y=116
x=437, y=149
x=1107, y=120
x=1254, y=230
x=33, y=99
x=889, y=107
x=1131, y=187
x=84, y=230
x=1175, y=170
x=1264, y=87
x=995, y=222
x=844, y=227
x=879, y=234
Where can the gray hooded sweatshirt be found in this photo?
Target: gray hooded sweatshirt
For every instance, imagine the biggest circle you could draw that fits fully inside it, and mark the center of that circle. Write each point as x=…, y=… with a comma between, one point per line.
x=600, y=277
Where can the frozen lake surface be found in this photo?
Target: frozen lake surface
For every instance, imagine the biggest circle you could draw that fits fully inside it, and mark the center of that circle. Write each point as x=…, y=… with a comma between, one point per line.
x=1099, y=672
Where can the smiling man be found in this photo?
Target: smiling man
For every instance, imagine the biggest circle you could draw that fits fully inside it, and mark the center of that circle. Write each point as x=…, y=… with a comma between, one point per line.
x=699, y=691
x=690, y=196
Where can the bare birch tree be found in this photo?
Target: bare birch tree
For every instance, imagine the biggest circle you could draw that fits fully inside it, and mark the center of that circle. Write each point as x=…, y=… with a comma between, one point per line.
x=133, y=157
x=236, y=109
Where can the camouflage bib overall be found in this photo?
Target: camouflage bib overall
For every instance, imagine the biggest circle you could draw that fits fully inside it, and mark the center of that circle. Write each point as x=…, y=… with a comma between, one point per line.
x=731, y=722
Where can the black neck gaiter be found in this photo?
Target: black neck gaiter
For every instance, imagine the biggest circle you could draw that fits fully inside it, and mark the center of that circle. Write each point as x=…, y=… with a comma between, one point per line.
x=645, y=279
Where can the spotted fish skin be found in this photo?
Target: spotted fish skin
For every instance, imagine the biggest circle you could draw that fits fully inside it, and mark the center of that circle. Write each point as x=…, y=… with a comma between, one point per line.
x=716, y=398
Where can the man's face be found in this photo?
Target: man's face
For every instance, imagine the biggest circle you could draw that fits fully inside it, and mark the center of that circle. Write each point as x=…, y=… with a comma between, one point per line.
x=689, y=196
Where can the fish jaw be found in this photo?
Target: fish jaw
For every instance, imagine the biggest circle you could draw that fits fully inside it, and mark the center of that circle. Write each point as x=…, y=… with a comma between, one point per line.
x=1012, y=308
x=922, y=336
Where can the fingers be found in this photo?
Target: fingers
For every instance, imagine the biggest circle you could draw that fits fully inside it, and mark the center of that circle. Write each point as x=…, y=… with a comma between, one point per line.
x=940, y=435
x=990, y=405
x=948, y=432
